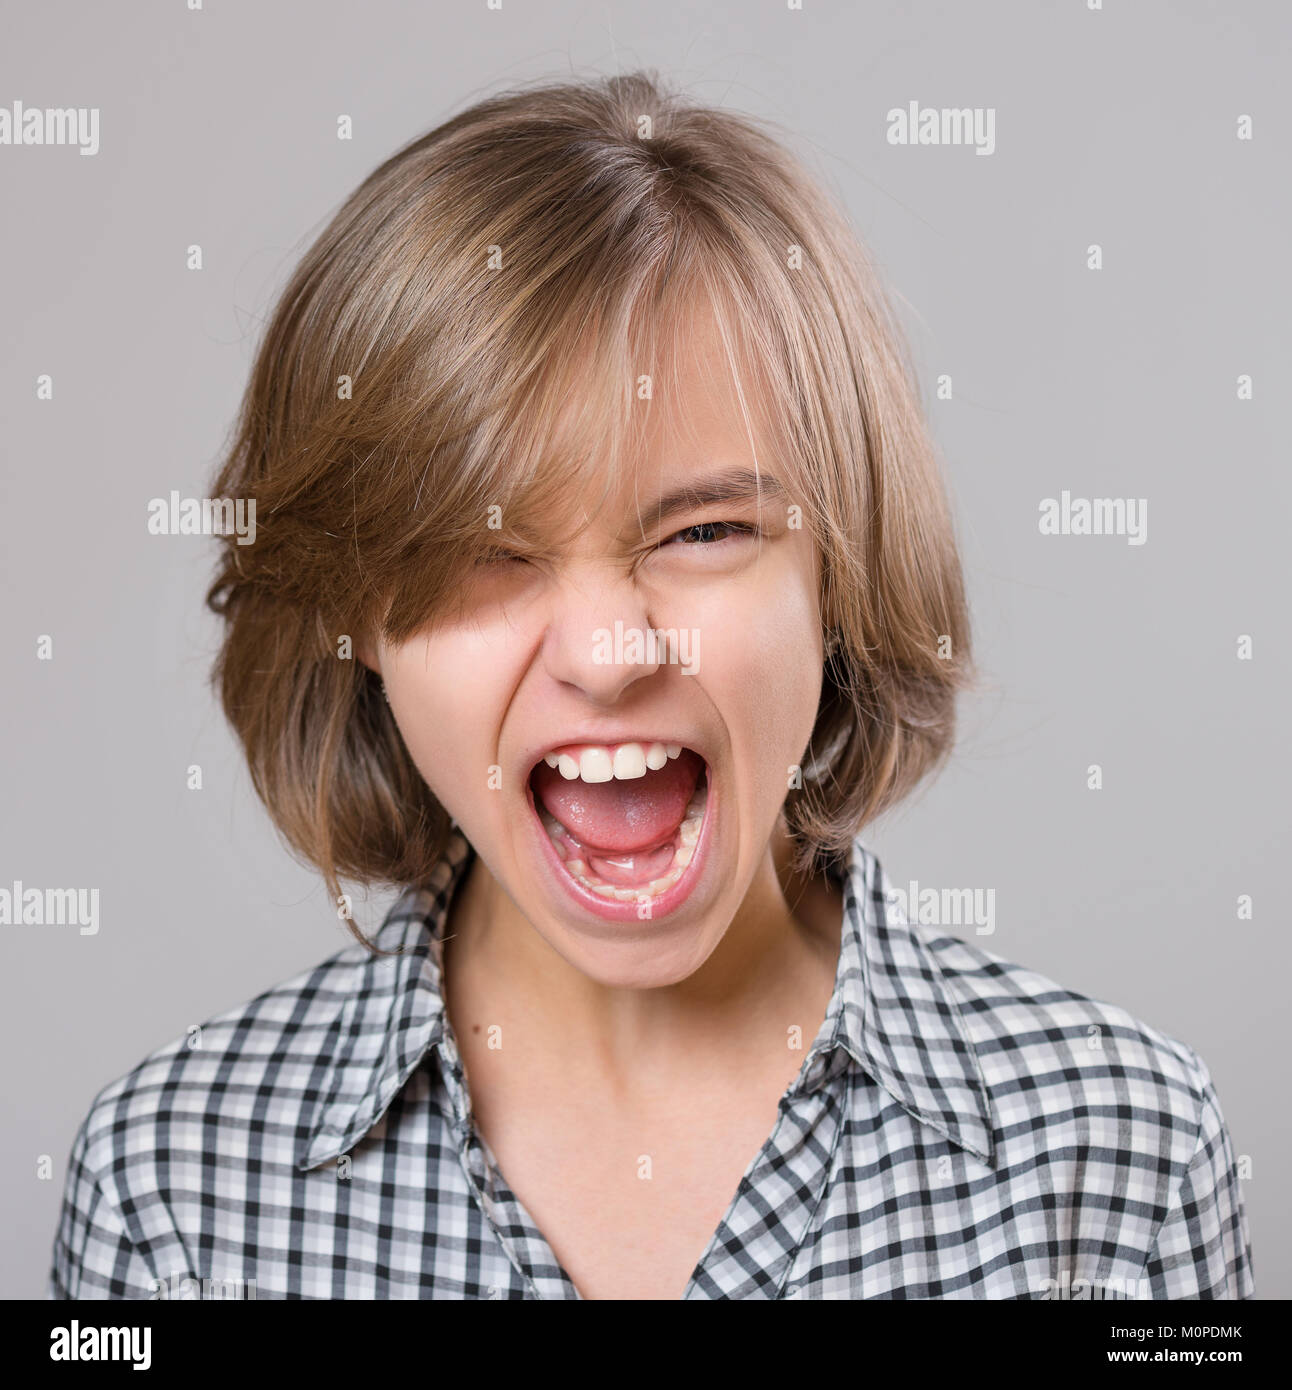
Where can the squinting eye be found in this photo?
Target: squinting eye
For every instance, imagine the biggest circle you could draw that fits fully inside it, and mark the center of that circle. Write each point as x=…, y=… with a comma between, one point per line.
x=702, y=533
x=498, y=558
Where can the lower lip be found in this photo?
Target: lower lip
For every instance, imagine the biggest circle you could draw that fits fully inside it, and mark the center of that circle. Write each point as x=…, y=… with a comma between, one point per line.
x=615, y=909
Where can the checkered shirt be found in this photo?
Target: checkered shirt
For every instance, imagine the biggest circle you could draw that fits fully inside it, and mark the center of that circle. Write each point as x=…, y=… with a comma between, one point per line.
x=961, y=1127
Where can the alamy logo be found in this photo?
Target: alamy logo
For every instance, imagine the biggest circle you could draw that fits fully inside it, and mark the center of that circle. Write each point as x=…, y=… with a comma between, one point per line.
x=945, y=907
x=1066, y=515
x=1065, y=1288
x=946, y=125
x=77, y=1343
x=203, y=516
x=188, y=1288
x=50, y=907
x=50, y=125
x=635, y=646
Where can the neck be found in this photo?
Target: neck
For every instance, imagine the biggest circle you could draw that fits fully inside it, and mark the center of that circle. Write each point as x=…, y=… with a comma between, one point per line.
x=774, y=966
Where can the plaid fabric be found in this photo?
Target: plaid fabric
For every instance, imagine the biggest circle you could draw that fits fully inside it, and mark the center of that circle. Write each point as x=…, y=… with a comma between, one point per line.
x=960, y=1128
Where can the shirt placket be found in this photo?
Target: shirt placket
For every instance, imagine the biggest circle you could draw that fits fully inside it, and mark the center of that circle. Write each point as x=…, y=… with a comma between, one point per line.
x=520, y=1239
x=751, y=1252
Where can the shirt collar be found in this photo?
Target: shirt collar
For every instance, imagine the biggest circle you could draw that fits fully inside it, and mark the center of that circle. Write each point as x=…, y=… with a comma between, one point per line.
x=897, y=1017
x=892, y=1013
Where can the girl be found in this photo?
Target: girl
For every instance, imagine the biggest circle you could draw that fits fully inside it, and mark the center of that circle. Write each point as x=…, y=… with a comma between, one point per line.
x=603, y=590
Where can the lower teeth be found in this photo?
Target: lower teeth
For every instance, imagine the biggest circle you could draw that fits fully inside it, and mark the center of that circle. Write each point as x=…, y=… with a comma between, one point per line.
x=688, y=835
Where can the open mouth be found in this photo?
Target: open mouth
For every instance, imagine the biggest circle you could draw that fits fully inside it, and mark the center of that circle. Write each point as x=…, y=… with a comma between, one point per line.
x=626, y=820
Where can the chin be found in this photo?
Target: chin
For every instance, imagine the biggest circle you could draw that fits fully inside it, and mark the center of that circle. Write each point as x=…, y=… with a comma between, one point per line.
x=637, y=960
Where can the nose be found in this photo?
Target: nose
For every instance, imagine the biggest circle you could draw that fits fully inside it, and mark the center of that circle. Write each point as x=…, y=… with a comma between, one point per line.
x=597, y=639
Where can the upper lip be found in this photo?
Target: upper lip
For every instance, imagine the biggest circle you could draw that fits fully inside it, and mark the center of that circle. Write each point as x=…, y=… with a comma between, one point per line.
x=610, y=740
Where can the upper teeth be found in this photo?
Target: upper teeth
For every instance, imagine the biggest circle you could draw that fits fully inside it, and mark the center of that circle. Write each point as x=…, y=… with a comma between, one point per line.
x=624, y=761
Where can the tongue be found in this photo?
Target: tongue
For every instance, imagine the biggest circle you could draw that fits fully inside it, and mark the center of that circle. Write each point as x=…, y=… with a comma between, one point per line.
x=621, y=817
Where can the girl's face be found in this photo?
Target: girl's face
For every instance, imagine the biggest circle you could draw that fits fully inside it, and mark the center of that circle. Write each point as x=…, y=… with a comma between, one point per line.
x=614, y=725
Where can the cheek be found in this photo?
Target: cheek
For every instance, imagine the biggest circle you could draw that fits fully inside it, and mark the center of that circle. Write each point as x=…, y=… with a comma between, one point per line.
x=444, y=696
x=762, y=664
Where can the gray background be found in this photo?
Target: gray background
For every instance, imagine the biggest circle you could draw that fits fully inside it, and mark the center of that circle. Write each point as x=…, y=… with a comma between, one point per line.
x=218, y=127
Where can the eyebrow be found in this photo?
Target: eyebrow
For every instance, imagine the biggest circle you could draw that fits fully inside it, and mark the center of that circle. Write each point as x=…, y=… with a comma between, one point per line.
x=729, y=485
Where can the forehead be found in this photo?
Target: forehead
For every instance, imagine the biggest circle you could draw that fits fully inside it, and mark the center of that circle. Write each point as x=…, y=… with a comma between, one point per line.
x=695, y=426
x=585, y=425
x=705, y=400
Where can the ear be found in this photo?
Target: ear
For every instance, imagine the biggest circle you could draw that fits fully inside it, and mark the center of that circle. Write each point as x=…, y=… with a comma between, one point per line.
x=367, y=653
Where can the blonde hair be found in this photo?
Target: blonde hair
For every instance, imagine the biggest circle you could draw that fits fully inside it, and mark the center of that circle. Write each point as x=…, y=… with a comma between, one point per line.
x=466, y=333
